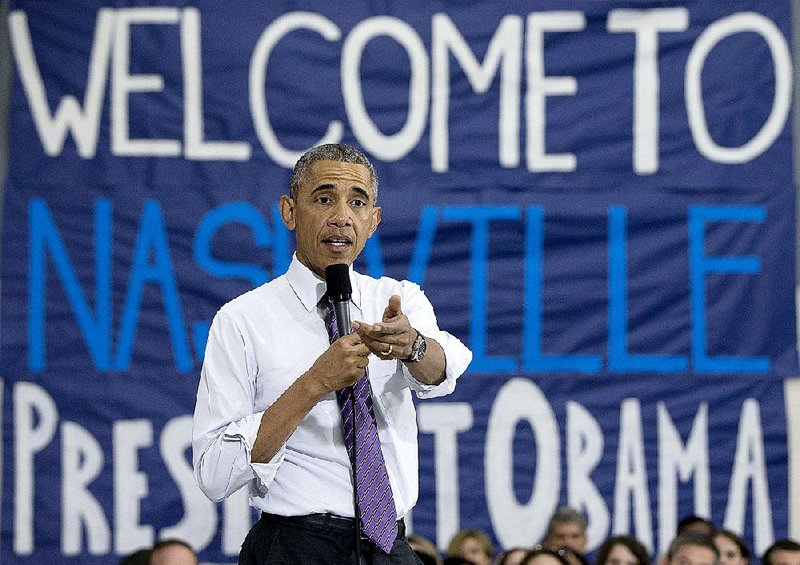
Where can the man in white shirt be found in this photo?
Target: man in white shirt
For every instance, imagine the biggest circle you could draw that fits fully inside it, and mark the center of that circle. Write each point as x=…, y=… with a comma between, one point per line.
x=268, y=415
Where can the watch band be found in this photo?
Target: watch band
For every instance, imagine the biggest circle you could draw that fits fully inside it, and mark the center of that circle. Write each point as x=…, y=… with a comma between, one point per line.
x=418, y=349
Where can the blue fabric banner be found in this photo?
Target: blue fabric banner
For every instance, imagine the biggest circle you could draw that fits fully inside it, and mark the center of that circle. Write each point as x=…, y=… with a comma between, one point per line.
x=597, y=197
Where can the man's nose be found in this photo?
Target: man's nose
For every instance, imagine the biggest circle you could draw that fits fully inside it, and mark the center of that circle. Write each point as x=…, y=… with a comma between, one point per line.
x=341, y=215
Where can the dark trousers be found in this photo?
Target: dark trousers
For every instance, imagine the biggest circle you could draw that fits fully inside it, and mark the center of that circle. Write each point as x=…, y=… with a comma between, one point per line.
x=319, y=539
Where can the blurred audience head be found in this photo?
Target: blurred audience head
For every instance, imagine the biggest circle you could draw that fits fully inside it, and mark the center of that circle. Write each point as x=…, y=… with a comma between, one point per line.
x=782, y=552
x=574, y=558
x=622, y=550
x=541, y=555
x=172, y=552
x=696, y=524
x=732, y=548
x=141, y=557
x=424, y=549
x=473, y=545
x=567, y=529
x=691, y=548
x=513, y=556
x=457, y=560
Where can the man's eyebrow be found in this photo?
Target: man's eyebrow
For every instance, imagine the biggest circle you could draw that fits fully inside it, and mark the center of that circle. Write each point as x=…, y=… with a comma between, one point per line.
x=329, y=186
x=322, y=188
x=361, y=191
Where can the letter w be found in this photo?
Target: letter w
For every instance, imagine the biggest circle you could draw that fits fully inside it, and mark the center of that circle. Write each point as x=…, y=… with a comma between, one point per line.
x=84, y=122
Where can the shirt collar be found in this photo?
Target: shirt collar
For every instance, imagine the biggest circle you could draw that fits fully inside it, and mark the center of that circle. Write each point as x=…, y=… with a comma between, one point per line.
x=309, y=288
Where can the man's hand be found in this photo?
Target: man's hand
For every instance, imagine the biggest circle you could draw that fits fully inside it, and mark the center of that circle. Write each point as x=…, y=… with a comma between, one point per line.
x=342, y=364
x=392, y=337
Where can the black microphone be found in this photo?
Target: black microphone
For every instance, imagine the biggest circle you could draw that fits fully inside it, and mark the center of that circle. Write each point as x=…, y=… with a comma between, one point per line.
x=337, y=280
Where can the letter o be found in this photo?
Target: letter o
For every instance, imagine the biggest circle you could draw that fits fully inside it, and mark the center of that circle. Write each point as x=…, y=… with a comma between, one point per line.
x=781, y=57
x=395, y=146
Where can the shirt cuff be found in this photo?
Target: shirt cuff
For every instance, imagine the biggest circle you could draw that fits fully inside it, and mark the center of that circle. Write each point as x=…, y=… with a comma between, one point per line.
x=245, y=432
x=457, y=358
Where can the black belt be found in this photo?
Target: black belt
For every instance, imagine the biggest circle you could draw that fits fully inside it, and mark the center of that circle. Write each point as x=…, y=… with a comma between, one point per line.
x=327, y=522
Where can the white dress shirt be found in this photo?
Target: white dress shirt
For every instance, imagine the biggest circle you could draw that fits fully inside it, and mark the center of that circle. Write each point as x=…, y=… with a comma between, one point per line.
x=258, y=345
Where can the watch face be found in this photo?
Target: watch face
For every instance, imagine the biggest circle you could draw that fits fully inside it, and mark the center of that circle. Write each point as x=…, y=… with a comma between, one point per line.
x=419, y=348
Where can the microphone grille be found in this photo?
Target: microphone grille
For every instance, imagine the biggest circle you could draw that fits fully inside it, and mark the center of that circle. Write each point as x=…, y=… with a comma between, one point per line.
x=337, y=280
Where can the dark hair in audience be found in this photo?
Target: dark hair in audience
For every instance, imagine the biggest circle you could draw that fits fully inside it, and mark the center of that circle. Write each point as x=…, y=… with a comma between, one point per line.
x=692, y=538
x=634, y=546
x=538, y=550
x=506, y=555
x=695, y=523
x=784, y=544
x=141, y=557
x=457, y=560
x=737, y=540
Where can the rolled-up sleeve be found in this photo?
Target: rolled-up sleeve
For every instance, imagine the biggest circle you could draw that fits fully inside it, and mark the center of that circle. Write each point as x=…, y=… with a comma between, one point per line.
x=225, y=422
x=422, y=317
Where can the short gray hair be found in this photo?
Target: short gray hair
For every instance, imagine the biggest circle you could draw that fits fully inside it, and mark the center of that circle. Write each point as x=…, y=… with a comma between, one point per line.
x=329, y=152
x=566, y=515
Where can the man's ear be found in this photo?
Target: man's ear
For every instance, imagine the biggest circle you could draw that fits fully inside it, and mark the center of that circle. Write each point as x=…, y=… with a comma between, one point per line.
x=376, y=219
x=286, y=205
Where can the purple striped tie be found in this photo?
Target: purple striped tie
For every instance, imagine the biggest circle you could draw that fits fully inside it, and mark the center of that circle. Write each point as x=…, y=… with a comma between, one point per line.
x=374, y=493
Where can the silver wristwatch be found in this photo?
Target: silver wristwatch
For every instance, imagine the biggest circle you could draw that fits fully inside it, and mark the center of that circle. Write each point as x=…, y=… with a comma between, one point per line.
x=418, y=349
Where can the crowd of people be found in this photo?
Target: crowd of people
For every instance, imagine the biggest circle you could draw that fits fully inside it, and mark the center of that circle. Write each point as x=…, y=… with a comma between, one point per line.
x=697, y=542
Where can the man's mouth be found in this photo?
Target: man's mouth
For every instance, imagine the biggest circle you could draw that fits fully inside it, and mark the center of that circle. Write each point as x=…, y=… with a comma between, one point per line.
x=337, y=242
